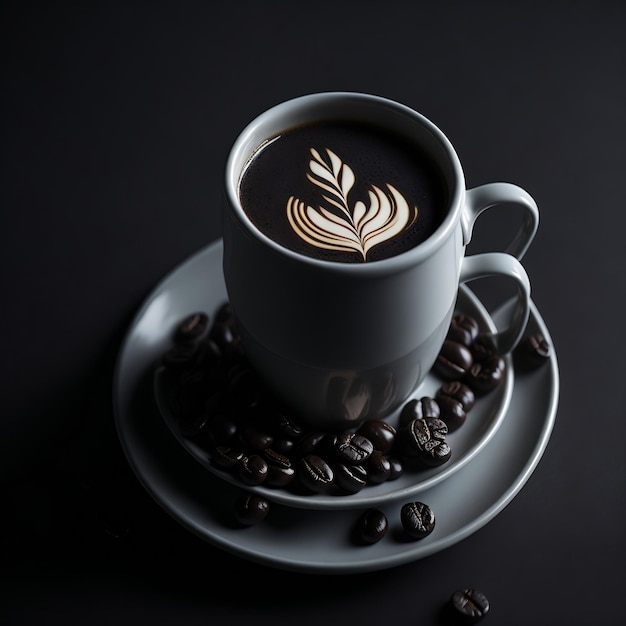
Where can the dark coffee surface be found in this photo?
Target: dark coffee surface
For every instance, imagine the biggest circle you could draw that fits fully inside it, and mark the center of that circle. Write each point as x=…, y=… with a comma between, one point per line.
x=343, y=191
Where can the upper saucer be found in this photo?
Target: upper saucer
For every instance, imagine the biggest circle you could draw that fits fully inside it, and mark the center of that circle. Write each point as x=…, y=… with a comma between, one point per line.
x=482, y=422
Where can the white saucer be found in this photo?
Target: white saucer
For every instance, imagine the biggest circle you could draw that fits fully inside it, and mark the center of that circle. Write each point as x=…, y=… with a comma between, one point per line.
x=482, y=422
x=294, y=538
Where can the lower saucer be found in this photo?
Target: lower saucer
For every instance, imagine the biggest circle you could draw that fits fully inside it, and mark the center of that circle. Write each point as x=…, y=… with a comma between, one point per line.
x=317, y=540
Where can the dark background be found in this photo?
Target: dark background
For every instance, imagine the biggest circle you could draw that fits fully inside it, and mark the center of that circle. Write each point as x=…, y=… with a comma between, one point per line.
x=116, y=122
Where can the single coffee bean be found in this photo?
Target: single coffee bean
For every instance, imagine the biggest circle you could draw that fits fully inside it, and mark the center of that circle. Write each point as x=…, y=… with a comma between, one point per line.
x=191, y=328
x=418, y=409
x=222, y=428
x=532, y=351
x=452, y=412
x=282, y=425
x=253, y=469
x=424, y=439
x=378, y=468
x=397, y=467
x=463, y=329
x=469, y=605
x=380, y=433
x=226, y=456
x=453, y=361
x=458, y=391
x=314, y=473
x=418, y=519
x=371, y=527
x=353, y=448
x=350, y=478
x=483, y=347
x=253, y=438
x=309, y=443
x=484, y=376
x=224, y=314
x=279, y=469
x=251, y=509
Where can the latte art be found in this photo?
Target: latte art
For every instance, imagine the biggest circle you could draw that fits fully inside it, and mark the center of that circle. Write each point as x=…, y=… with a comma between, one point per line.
x=343, y=191
x=357, y=229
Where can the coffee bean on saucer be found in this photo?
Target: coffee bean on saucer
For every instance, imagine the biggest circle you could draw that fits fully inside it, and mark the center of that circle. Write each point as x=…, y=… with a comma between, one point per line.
x=378, y=468
x=353, y=448
x=457, y=391
x=484, y=376
x=250, y=509
x=532, y=351
x=463, y=329
x=418, y=519
x=222, y=428
x=253, y=437
x=483, y=347
x=191, y=328
x=380, y=433
x=397, y=467
x=314, y=473
x=421, y=408
x=371, y=527
x=468, y=605
x=452, y=412
x=453, y=361
x=350, y=478
x=280, y=471
x=227, y=457
x=253, y=469
x=424, y=439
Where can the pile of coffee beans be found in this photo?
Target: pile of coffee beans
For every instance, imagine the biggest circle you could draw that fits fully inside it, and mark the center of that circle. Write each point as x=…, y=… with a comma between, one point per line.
x=222, y=405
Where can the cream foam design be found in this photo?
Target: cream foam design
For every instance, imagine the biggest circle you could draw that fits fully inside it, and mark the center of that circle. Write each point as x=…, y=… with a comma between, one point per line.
x=351, y=230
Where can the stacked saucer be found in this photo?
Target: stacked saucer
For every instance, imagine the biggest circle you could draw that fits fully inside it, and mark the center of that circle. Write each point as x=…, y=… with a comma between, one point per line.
x=493, y=449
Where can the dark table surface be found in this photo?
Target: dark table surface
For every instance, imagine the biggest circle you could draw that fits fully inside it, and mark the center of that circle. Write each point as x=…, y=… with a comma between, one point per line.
x=116, y=122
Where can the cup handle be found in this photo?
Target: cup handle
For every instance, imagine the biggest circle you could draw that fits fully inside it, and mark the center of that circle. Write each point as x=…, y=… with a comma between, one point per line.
x=502, y=264
x=487, y=196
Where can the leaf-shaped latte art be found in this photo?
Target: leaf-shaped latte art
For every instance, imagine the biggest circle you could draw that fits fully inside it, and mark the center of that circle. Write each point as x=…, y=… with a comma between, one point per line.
x=357, y=230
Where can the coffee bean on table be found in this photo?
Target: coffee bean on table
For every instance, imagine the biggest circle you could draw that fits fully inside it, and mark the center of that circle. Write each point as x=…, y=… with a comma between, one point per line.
x=371, y=527
x=250, y=509
x=453, y=360
x=418, y=519
x=468, y=605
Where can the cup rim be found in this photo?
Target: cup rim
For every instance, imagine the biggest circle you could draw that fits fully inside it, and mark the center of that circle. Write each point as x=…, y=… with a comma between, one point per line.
x=408, y=258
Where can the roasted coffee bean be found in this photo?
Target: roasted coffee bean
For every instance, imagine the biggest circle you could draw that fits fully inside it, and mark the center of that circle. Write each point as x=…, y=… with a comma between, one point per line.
x=314, y=473
x=310, y=443
x=370, y=527
x=224, y=314
x=222, y=428
x=424, y=439
x=418, y=519
x=282, y=425
x=397, y=467
x=350, y=478
x=453, y=361
x=380, y=433
x=483, y=347
x=485, y=376
x=353, y=448
x=253, y=438
x=227, y=457
x=463, y=329
x=452, y=412
x=251, y=509
x=378, y=468
x=532, y=351
x=458, y=391
x=468, y=605
x=224, y=335
x=192, y=328
x=279, y=469
x=253, y=469
x=418, y=409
